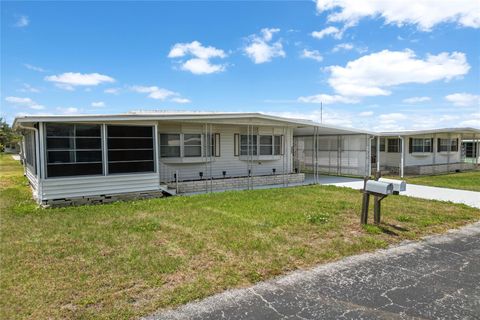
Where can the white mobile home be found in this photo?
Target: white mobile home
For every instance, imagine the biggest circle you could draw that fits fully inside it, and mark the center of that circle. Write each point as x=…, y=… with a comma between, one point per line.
x=425, y=151
x=101, y=158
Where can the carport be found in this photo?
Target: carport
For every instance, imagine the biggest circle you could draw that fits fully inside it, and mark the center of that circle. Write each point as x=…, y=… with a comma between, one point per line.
x=330, y=150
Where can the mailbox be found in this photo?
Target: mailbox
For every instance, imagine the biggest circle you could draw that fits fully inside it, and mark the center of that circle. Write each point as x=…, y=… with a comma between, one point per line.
x=398, y=185
x=379, y=187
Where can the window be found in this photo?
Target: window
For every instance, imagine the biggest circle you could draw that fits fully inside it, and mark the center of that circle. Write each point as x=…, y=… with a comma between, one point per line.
x=393, y=145
x=73, y=149
x=266, y=145
x=169, y=145
x=130, y=149
x=420, y=145
x=446, y=145
x=30, y=154
x=248, y=145
x=192, y=145
x=382, y=144
x=277, y=146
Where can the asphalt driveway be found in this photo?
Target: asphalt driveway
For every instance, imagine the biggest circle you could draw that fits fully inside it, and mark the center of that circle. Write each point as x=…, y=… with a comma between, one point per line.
x=438, y=278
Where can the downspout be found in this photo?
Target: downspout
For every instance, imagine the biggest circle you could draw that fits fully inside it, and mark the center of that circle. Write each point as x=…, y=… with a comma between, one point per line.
x=402, y=156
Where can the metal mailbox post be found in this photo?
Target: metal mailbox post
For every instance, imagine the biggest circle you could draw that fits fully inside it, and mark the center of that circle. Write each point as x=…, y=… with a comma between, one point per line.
x=379, y=190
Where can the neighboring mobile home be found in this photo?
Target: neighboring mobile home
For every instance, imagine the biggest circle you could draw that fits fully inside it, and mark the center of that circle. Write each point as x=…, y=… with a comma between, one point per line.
x=102, y=158
x=425, y=151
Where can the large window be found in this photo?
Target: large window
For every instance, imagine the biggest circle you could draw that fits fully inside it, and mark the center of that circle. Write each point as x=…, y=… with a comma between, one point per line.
x=394, y=145
x=421, y=145
x=170, y=145
x=192, y=145
x=30, y=154
x=266, y=145
x=248, y=145
x=73, y=149
x=446, y=145
x=130, y=149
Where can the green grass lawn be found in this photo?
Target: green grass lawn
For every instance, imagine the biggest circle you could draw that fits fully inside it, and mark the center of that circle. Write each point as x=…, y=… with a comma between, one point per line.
x=125, y=260
x=469, y=180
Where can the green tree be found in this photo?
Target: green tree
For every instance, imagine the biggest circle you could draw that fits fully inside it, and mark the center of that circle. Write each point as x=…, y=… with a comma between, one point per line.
x=7, y=135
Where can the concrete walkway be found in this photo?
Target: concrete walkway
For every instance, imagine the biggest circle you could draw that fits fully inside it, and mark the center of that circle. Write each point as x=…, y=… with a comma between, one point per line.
x=470, y=198
x=438, y=278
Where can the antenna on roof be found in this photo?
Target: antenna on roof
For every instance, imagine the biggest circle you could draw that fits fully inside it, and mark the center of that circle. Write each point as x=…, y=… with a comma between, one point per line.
x=321, y=112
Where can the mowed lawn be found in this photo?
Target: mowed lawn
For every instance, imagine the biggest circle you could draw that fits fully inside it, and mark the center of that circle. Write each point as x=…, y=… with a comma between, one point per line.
x=469, y=180
x=126, y=260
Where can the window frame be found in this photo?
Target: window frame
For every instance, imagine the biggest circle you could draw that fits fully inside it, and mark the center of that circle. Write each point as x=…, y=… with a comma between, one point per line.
x=214, y=149
x=398, y=145
x=423, y=145
x=153, y=149
x=73, y=150
x=450, y=146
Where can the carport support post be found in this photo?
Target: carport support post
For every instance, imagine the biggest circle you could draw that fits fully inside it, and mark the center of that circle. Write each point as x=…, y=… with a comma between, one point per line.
x=378, y=153
x=402, y=155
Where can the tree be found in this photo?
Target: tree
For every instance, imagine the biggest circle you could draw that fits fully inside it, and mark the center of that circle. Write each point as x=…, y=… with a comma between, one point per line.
x=7, y=135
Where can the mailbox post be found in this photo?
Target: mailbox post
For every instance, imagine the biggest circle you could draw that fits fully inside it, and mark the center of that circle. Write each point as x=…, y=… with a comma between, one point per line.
x=379, y=190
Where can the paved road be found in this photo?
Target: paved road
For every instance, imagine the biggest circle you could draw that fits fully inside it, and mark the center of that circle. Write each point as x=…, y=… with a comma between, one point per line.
x=438, y=278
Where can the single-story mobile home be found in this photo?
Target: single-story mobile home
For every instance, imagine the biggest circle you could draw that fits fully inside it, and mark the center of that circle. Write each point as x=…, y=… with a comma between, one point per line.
x=425, y=151
x=77, y=159
x=102, y=158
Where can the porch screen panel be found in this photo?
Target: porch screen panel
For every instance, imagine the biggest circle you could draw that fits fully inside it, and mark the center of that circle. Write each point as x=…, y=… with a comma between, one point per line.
x=130, y=149
x=73, y=149
x=30, y=154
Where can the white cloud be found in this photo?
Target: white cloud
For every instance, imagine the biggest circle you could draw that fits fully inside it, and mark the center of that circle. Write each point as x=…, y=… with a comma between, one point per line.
x=98, y=104
x=112, y=90
x=69, y=80
x=22, y=22
x=391, y=117
x=260, y=49
x=311, y=54
x=326, y=99
x=34, y=68
x=181, y=100
x=464, y=99
x=68, y=110
x=37, y=107
x=343, y=46
x=329, y=31
x=19, y=100
x=199, y=62
x=413, y=100
x=328, y=117
x=201, y=66
x=373, y=74
x=472, y=121
x=366, y=114
x=29, y=88
x=155, y=92
x=425, y=14
x=24, y=102
x=161, y=94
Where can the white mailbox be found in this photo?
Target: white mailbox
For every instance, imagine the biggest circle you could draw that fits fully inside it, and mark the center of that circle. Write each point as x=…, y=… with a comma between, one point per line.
x=379, y=187
x=398, y=185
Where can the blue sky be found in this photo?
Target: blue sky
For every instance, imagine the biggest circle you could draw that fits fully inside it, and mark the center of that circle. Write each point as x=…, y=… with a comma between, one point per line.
x=379, y=66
